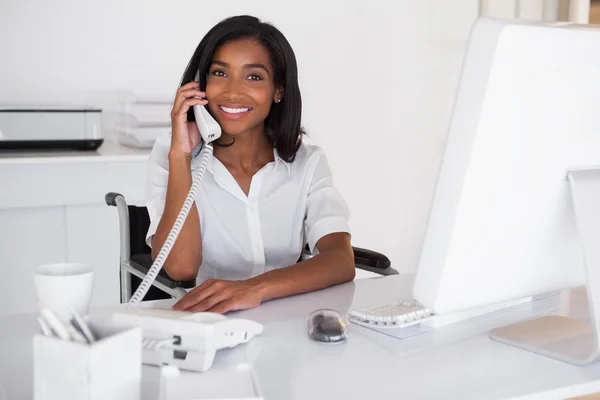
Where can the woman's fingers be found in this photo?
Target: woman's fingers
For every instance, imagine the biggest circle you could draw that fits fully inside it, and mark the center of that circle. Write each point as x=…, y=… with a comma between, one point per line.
x=184, y=91
x=185, y=106
x=196, y=295
x=190, y=85
x=182, y=97
x=210, y=302
x=224, y=306
x=186, y=94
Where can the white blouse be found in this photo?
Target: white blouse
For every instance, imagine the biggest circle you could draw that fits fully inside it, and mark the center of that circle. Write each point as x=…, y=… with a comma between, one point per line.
x=288, y=205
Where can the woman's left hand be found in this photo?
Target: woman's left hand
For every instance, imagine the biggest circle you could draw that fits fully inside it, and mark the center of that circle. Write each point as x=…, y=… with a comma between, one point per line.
x=221, y=296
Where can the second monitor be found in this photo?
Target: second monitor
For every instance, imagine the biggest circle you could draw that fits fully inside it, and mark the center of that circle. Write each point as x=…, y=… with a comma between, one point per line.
x=502, y=224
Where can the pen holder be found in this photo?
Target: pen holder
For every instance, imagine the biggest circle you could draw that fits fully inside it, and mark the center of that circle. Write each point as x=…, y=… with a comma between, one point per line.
x=109, y=368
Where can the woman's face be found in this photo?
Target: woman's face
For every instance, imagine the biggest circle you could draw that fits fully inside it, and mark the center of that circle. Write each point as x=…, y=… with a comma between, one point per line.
x=240, y=86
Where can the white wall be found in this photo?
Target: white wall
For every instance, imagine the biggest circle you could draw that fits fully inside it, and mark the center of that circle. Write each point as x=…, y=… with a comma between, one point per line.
x=377, y=79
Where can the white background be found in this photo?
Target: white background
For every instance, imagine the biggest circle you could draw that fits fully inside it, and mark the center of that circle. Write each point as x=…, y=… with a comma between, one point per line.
x=377, y=79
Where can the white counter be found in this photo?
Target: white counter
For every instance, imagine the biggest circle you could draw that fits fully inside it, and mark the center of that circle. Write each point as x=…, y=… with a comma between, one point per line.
x=52, y=209
x=109, y=151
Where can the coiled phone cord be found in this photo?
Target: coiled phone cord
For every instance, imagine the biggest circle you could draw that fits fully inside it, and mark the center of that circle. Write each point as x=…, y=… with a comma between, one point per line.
x=170, y=241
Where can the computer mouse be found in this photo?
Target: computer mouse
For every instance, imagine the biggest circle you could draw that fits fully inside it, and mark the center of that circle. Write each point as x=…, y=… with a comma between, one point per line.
x=327, y=326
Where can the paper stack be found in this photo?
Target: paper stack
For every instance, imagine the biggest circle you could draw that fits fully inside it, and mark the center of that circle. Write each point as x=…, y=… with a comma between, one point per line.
x=142, y=122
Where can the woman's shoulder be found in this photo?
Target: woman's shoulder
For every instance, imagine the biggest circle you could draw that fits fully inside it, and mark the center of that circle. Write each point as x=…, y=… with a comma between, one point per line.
x=307, y=154
x=160, y=151
x=310, y=159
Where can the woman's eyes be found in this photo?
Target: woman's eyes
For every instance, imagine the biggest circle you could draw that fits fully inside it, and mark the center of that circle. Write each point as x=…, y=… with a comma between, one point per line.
x=252, y=77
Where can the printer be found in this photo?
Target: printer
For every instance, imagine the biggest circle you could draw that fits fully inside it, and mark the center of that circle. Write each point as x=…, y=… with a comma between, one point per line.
x=39, y=128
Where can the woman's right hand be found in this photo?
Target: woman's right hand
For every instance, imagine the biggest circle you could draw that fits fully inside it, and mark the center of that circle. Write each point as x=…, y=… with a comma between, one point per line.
x=185, y=136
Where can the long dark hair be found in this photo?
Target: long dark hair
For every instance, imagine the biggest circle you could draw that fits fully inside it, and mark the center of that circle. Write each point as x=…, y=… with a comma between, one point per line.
x=283, y=124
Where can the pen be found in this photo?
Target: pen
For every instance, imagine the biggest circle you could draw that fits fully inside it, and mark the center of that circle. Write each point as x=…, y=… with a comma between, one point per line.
x=57, y=327
x=76, y=335
x=80, y=324
x=46, y=331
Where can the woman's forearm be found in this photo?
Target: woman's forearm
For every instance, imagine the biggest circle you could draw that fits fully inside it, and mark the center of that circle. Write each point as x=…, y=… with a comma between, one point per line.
x=328, y=268
x=185, y=257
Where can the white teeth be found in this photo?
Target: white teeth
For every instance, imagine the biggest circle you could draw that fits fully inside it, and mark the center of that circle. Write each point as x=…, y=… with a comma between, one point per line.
x=234, y=110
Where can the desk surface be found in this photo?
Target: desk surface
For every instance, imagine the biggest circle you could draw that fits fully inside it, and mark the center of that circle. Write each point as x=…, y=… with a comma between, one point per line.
x=458, y=363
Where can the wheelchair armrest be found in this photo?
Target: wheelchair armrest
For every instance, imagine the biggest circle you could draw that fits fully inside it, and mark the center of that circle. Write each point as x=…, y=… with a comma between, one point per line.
x=373, y=261
x=111, y=198
x=143, y=262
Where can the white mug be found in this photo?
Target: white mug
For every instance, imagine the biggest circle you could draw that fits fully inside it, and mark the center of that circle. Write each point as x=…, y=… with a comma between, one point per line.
x=61, y=285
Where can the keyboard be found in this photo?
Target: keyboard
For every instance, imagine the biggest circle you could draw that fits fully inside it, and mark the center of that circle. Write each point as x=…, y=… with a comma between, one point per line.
x=392, y=315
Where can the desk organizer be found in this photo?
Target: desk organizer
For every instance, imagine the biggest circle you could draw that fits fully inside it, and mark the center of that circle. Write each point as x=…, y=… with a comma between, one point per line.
x=110, y=368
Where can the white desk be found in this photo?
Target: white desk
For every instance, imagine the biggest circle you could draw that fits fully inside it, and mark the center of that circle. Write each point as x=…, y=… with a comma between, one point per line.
x=290, y=366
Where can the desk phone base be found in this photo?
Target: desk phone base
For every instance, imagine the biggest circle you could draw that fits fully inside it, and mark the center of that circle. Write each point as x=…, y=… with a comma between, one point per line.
x=184, y=339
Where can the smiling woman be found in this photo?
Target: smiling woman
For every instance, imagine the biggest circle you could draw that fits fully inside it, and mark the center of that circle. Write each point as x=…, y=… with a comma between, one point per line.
x=241, y=110
x=242, y=50
x=266, y=194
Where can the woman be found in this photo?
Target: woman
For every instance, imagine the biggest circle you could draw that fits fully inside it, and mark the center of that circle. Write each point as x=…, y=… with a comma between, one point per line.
x=265, y=193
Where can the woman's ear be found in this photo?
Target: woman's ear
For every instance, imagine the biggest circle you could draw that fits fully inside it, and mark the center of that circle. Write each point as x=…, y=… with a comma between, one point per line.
x=278, y=95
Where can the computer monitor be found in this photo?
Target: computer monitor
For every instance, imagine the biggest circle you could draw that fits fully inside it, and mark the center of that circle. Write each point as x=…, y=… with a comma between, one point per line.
x=502, y=224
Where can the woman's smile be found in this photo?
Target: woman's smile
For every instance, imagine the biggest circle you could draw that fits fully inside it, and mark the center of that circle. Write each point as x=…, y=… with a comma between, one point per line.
x=233, y=111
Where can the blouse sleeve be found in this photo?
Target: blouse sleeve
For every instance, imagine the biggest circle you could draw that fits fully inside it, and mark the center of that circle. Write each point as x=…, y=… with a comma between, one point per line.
x=327, y=212
x=156, y=183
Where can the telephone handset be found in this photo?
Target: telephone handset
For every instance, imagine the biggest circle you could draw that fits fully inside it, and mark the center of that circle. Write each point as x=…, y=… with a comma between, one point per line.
x=187, y=340
x=210, y=130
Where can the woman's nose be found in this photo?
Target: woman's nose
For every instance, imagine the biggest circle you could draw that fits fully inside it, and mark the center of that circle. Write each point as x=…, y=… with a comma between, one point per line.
x=234, y=88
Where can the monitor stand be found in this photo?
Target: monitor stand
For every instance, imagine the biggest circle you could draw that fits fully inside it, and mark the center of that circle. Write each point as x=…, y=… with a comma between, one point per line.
x=559, y=337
